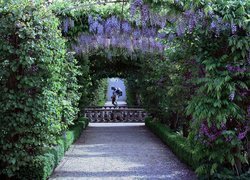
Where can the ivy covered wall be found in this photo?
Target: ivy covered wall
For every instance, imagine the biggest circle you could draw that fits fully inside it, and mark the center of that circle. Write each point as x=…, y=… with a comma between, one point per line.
x=38, y=79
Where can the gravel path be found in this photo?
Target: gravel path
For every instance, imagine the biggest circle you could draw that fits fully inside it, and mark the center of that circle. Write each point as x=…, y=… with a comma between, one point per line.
x=120, y=151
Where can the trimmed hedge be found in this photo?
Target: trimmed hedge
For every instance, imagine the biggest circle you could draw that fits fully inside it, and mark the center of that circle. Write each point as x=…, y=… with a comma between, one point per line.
x=44, y=165
x=175, y=142
x=185, y=153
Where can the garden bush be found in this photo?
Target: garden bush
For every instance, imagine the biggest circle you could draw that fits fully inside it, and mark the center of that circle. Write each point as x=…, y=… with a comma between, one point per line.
x=43, y=165
x=178, y=144
x=187, y=153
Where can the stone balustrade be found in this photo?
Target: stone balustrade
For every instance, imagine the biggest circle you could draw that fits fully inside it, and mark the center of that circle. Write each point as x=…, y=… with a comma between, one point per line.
x=107, y=114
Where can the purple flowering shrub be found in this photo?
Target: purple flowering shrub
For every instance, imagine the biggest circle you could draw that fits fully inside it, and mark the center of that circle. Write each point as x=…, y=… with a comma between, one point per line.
x=210, y=134
x=224, y=144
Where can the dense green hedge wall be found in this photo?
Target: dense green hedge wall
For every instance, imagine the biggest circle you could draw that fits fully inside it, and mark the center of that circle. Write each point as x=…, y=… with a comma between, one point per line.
x=132, y=92
x=98, y=92
x=44, y=164
x=39, y=91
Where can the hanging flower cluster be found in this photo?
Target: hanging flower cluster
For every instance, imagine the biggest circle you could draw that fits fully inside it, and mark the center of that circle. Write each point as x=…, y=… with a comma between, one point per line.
x=184, y=23
x=237, y=69
x=211, y=133
x=190, y=19
x=114, y=32
x=142, y=30
x=140, y=33
x=67, y=24
x=147, y=17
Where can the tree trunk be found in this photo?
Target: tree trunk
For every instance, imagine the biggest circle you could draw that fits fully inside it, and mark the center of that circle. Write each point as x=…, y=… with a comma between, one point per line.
x=238, y=164
x=186, y=126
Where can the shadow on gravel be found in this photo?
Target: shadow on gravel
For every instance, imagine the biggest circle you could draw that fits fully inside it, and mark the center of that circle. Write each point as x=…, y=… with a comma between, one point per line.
x=120, y=151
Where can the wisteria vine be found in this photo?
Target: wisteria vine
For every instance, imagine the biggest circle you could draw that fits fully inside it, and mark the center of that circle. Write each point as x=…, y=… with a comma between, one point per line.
x=114, y=32
x=144, y=30
x=140, y=33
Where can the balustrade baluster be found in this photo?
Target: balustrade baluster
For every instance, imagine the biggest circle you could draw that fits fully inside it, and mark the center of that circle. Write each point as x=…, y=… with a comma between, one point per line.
x=124, y=116
x=95, y=116
x=110, y=114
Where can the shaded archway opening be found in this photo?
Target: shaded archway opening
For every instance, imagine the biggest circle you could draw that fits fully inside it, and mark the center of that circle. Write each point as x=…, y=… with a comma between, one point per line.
x=114, y=63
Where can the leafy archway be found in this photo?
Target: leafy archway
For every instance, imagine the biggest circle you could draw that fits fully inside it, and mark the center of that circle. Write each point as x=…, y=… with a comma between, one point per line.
x=204, y=77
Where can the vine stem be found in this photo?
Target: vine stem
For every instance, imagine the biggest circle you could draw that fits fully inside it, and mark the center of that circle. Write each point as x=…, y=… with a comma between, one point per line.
x=97, y=3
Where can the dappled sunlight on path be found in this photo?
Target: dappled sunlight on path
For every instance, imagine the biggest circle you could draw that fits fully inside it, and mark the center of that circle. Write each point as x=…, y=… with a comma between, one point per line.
x=120, y=151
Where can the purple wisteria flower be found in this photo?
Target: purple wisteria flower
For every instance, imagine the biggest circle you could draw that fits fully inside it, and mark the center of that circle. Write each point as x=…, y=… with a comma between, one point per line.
x=153, y=19
x=162, y=35
x=66, y=25
x=76, y=49
x=211, y=133
x=90, y=19
x=180, y=29
x=122, y=34
x=132, y=10
x=93, y=27
x=191, y=18
x=114, y=41
x=128, y=44
x=200, y=14
x=84, y=39
x=126, y=27
x=137, y=3
x=233, y=28
x=243, y=134
x=100, y=29
x=236, y=69
x=213, y=25
x=144, y=15
x=162, y=22
x=171, y=37
x=134, y=6
x=71, y=23
x=137, y=33
x=100, y=40
x=112, y=25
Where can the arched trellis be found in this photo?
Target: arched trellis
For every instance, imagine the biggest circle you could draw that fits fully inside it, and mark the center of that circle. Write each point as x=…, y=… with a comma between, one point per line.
x=198, y=22
x=132, y=33
x=212, y=27
x=105, y=33
x=120, y=48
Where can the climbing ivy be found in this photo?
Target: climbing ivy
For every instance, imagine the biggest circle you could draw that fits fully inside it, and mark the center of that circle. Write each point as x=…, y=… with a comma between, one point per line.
x=39, y=90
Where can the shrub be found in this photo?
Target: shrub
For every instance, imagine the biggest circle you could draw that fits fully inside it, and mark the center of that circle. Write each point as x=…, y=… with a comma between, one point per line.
x=43, y=165
x=176, y=143
x=189, y=155
x=39, y=91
